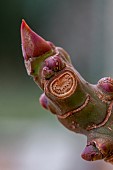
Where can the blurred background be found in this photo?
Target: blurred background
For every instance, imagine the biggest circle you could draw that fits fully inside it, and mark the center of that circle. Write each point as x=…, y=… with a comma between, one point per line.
x=30, y=137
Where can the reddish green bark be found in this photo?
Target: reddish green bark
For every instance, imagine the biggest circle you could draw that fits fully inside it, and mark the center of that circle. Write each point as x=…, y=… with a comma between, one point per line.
x=80, y=106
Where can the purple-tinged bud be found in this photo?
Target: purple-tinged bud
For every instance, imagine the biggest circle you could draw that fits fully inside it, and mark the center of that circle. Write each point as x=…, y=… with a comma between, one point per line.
x=106, y=84
x=32, y=44
x=43, y=101
x=91, y=153
x=47, y=73
x=55, y=63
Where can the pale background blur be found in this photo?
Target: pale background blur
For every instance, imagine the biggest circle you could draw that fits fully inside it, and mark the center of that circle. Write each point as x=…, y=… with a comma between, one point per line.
x=30, y=137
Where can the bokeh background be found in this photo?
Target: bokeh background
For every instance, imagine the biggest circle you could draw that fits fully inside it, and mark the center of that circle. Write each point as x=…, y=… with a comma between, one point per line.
x=30, y=137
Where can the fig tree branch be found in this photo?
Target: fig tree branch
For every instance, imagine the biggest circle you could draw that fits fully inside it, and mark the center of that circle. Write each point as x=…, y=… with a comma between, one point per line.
x=80, y=106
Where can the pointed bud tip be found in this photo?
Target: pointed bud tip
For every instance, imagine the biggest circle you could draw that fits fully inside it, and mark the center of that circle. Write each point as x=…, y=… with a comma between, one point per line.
x=32, y=44
x=24, y=25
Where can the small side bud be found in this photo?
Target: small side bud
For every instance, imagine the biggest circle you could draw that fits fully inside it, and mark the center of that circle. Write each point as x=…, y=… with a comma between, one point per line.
x=106, y=84
x=47, y=73
x=91, y=153
x=55, y=63
x=43, y=101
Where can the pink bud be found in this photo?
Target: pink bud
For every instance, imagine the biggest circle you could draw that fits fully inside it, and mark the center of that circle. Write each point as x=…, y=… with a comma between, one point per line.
x=106, y=84
x=55, y=63
x=47, y=73
x=43, y=101
x=91, y=153
x=32, y=44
